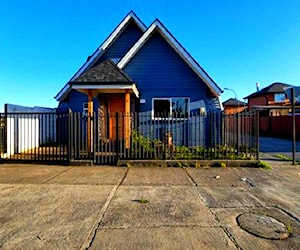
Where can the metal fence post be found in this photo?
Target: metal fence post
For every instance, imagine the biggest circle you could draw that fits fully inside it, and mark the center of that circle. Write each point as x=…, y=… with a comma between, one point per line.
x=69, y=133
x=237, y=134
x=117, y=137
x=294, y=126
x=257, y=135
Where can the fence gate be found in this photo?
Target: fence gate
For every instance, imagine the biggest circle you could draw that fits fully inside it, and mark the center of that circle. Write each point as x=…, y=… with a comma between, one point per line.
x=93, y=139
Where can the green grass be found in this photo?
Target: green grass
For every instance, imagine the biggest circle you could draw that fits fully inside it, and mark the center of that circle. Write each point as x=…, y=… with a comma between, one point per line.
x=283, y=157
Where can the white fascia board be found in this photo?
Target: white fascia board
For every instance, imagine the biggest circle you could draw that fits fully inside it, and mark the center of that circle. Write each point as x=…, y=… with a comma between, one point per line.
x=62, y=94
x=97, y=53
x=178, y=48
x=120, y=28
x=108, y=86
x=136, y=47
x=109, y=40
x=221, y=104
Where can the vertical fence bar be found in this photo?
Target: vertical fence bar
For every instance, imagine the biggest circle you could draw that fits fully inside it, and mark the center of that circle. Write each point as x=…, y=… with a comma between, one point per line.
x=69, y=138
x=95, y=136
x=257, y=134
x=293, y=127
x=117, y=136
x=238, y=134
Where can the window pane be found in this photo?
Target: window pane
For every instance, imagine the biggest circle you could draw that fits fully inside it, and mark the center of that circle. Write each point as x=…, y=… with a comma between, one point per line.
x=279, y=97
x=180, y=107
x=161, y=107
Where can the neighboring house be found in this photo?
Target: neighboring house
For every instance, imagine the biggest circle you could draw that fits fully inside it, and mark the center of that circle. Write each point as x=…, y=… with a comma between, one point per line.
x=272, y=95
x=232, y=106
x=140, y=69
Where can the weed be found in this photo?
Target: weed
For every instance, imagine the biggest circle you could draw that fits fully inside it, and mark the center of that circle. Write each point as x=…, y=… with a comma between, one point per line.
x=143, y=201
x=262, y=164
x=186, y=165
x=197, y=165
x=289, y=228
x=223, y=165
x=283, y=157
x=179, y=164
x=219, y=164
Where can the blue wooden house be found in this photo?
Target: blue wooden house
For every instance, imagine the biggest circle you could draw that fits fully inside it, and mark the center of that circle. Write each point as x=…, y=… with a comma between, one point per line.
x=140, y=69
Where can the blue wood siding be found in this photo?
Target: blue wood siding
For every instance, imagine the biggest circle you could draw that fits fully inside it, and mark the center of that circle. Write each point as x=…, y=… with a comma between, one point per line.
x=160, y=72
x=75, y=101
x=119, y=47
x=123, y=43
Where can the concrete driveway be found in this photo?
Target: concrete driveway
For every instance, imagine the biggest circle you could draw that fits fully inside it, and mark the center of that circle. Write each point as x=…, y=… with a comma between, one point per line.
x=53, y=207
x=272, y=144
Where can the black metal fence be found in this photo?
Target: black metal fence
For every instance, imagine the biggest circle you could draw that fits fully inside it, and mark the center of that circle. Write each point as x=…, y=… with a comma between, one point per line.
x=107, y=138
x=34, y=137
x=3, y=143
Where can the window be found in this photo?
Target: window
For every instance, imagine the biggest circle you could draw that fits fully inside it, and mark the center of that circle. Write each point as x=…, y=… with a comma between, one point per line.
x=176, y=107
x=115, y=60
x=85, y=109
x=279, y=97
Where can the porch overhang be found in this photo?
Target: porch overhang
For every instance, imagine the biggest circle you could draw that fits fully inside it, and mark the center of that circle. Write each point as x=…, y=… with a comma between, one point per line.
x=105, y=88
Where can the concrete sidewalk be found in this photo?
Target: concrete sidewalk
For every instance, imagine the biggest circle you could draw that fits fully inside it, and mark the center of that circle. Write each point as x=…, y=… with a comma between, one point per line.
x=53, y=207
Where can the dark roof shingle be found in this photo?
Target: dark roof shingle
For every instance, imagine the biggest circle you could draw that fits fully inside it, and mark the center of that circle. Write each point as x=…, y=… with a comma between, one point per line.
x=105, y=72
x=233, y=102
x=276, y=87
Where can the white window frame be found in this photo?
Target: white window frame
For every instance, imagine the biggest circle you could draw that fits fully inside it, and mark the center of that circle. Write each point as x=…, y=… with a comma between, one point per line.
x=170, y=111
x=85, y=108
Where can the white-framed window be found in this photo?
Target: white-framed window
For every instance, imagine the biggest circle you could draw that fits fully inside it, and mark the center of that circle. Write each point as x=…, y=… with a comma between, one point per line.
x=279, y=97
x=85, y=109
x=173, y=107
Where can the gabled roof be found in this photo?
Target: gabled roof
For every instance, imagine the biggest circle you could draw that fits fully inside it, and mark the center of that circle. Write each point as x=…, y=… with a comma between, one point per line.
x=276, y=87
x=100, y=50
x=105, y=72
x=155, y=26
x=158, y=26
x=233, y=102
x=110, y=40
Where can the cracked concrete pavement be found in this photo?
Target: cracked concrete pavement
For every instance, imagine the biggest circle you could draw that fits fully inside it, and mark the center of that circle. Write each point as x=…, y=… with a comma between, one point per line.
x=55, y=207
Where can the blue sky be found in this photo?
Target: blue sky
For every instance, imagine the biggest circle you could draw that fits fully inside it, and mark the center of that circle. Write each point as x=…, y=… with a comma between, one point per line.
x=238, y=42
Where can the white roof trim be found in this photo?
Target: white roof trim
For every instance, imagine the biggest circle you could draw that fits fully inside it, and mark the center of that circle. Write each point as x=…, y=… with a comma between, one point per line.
x=63, y=93
x=121, y=26
x=109, y=40
x=107, y=43
x=108, y=86
x=156, y=25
